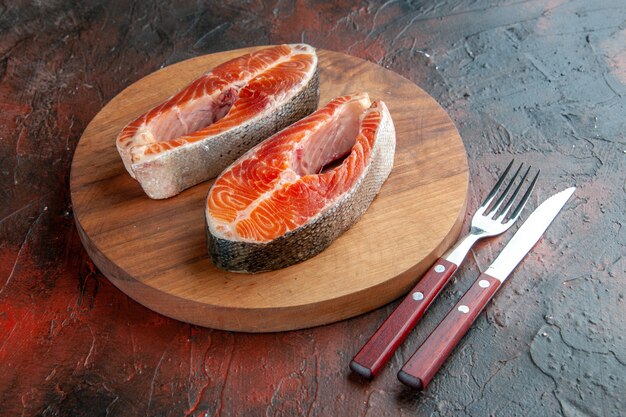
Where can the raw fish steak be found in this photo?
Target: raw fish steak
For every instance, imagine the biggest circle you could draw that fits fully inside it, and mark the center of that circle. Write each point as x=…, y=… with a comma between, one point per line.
x=288, y=198
x=197, y=133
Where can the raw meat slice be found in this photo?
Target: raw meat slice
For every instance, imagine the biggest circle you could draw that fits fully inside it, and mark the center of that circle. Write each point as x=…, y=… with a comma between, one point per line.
x=197, y=133
x=281, y=203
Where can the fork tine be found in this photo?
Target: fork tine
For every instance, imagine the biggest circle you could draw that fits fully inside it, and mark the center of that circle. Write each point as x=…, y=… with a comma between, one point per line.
x=524, y=199
x=509, y=203
x=499, y=201
x=496, y=187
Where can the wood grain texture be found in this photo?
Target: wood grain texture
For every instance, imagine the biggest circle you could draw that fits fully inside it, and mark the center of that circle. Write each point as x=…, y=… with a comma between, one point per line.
x=155, y=251
x=535, y=80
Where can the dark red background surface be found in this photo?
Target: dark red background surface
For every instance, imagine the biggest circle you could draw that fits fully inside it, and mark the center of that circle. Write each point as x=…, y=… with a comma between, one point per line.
x=541, y=81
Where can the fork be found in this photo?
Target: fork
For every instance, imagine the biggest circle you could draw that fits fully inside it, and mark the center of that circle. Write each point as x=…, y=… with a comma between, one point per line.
x=489, y=220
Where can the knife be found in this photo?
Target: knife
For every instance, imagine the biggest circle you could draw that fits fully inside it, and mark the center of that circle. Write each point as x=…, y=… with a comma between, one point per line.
x=418, y=371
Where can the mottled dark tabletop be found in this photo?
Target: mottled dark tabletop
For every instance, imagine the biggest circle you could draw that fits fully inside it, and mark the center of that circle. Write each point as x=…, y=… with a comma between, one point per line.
x=541, y=81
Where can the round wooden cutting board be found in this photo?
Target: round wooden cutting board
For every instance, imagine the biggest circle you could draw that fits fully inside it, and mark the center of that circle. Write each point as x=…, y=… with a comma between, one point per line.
x=155, y=250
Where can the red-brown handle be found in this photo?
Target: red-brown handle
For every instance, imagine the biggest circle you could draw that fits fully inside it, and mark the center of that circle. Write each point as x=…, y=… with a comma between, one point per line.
x=379, y=348
x=426, y=361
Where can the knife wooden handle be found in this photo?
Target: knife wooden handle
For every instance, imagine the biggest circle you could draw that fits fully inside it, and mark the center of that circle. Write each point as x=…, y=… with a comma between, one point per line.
x=418, y=371
x=379, y=348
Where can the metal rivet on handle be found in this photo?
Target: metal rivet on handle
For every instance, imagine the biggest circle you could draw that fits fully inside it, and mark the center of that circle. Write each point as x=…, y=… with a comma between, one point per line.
x=483, y=283
x=464, y=309
x=440, y=268
x=417, y=296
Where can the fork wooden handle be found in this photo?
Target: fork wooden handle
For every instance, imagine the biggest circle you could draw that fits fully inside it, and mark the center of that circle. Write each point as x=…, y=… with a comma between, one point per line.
x=379, y=348
x=418, y=371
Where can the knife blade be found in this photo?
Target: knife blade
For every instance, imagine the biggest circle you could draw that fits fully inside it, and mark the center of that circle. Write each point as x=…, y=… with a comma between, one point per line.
x=528, y=234
x=419, y=370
